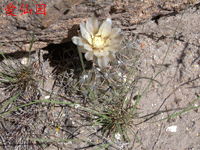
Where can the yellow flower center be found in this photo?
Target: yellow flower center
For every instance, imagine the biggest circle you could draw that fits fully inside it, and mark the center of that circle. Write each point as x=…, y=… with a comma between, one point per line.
x=98, y=42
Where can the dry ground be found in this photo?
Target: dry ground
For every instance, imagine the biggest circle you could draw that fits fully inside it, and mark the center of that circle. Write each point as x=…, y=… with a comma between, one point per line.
x=148, y=28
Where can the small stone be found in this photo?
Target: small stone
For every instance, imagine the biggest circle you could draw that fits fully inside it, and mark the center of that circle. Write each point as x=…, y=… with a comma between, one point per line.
x=172, y=129
x=98, y=69
x=143, y=44
x=47, y=97
x=85, y=76
x=77, y=106
x=120, y=74
x=117, y=136
x=24, y=61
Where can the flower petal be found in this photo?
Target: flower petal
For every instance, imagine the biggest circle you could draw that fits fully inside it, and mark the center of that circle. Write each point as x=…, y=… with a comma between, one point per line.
x=85, y=33
x=114, y=32
x=108, y=42
x=89, y=56
x=117, y=39
x=100, y=53
x=88, y=47
x=113, y=48
x=103, y=61
x=92, y=25
x=95, y=24
x=78, y=40
x=82, y=49
x=89, y=27
x=105, y=28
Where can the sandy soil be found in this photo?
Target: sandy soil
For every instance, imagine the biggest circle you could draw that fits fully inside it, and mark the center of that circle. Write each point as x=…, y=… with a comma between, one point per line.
x=149, y=27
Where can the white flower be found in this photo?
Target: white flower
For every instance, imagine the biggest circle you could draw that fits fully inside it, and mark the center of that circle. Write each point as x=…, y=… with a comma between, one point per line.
x=99, y=41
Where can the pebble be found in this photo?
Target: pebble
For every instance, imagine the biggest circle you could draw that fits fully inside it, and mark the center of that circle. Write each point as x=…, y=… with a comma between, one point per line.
x=172, y=129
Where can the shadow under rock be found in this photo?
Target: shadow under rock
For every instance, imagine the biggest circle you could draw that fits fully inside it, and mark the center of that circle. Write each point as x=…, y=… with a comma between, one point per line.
x=64, y=56
x=16, y=55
